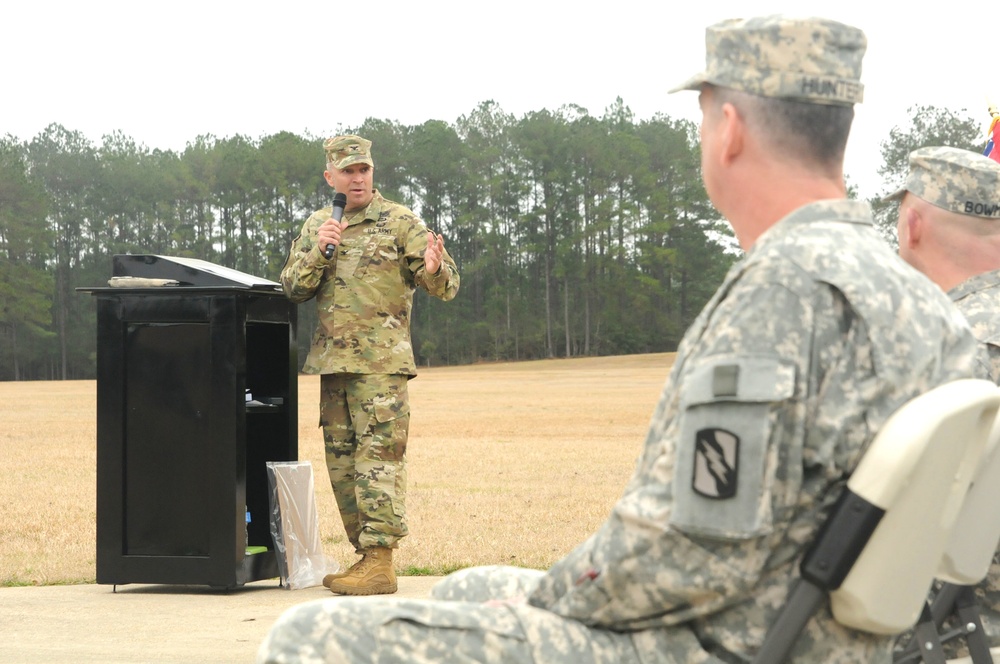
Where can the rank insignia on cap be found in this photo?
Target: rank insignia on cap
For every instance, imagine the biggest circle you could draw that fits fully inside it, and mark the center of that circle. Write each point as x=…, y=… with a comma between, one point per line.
x=716, y=459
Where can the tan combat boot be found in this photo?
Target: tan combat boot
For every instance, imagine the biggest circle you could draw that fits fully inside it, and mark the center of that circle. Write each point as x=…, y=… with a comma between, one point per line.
x=336, y=575
x=373, y=575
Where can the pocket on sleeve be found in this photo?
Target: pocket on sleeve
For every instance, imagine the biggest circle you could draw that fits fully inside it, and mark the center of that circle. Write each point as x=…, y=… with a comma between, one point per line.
x=721, y=483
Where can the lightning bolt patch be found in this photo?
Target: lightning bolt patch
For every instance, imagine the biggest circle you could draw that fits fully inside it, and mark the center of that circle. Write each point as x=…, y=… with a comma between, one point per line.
x=716, y=460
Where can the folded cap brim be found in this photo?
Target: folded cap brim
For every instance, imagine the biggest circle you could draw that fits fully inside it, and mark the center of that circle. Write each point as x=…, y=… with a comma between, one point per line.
x=896, y=195
x=693, y=83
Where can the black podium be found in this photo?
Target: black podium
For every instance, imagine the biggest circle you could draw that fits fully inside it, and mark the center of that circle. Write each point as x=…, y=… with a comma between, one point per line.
x=181, y=346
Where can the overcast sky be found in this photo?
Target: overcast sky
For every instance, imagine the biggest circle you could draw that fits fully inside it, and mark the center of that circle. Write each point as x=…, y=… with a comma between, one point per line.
x=165, y=73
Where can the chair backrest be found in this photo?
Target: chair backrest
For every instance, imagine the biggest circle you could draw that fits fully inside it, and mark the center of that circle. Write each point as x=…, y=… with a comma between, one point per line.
x=887, y=536
x=976, y=534
x=966, y=561
x=919, y=469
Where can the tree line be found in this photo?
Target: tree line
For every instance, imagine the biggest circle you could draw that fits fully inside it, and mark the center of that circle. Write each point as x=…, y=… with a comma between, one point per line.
x=574, y=234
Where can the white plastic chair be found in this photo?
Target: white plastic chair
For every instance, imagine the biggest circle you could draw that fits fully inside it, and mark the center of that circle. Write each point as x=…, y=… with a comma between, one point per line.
x=890, y=532
x=966, y=561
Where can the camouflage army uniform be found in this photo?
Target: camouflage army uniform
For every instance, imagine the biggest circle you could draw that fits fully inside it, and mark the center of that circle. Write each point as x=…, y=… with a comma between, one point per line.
x=778, y=386
x=978, y=299
x=362, y=348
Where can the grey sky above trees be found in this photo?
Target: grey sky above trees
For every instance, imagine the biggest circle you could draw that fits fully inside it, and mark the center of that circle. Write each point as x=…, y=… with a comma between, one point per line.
x=166, y=74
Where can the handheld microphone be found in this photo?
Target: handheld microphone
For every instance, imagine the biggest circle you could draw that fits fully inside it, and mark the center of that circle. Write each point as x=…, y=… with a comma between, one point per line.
x=339, y=201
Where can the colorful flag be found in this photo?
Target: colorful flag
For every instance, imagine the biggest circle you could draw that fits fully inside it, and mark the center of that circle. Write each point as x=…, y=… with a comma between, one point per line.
x=993, y=141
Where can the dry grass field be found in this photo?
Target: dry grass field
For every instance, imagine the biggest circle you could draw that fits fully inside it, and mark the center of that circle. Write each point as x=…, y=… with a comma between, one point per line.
x=509, y=463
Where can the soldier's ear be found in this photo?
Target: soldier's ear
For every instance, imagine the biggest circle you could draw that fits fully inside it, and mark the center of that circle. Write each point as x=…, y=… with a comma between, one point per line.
x=915, y=226
x=733, y=130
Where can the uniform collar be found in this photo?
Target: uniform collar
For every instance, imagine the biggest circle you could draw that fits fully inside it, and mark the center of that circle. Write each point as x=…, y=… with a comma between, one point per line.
x=974, y=284
x=842, y=210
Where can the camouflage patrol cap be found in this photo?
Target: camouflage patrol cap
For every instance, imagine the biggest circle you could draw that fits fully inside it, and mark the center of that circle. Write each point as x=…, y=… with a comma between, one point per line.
x=954, y=180
x=343, y=151
x=814, y=60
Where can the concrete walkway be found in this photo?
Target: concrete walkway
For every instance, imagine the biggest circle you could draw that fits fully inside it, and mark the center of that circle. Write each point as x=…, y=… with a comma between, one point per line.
x=150, y=623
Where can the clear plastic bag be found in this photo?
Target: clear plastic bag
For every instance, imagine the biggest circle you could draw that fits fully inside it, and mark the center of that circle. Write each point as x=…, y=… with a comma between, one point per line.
x=295, y=525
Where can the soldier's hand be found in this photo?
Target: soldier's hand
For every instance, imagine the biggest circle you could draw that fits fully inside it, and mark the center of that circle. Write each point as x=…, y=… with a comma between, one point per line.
x=434, y=252
x=330, y=232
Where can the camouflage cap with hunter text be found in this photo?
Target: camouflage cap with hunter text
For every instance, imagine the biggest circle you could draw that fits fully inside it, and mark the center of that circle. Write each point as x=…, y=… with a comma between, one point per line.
x=813, y=60
x=343, y=151
x=955, y=180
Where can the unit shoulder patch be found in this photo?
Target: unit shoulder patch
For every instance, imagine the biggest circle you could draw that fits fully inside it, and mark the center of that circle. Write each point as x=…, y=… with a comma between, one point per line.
x=716, y=461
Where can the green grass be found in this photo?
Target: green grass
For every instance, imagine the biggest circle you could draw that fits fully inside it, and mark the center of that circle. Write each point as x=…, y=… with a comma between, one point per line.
x=18, y=582
x=438, y=570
